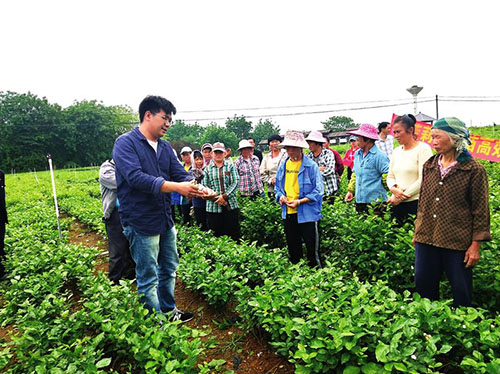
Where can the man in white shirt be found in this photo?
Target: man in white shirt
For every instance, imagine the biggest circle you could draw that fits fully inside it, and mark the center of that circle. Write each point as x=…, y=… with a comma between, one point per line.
x=386, y=141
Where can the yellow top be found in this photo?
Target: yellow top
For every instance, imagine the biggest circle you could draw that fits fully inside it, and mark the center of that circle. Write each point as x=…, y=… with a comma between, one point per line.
x=186, y=167
x=292, y=182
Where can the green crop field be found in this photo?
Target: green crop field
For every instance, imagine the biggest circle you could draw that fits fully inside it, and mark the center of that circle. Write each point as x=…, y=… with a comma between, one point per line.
x=357, y=315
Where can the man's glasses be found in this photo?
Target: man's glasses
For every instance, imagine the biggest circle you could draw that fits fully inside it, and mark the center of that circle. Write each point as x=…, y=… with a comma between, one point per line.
x=165, y=118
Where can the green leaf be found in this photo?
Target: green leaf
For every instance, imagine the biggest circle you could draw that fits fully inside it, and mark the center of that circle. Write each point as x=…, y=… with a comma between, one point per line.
x=103, y=363
x=381, y=352
x=351, y=370
x=371, y=368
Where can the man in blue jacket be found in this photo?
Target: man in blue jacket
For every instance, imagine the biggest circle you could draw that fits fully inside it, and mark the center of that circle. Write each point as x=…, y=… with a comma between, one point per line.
x=147, y=170
x=299, y=189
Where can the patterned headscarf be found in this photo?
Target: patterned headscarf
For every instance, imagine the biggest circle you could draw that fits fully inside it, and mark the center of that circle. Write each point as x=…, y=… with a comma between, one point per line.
x=458, y=133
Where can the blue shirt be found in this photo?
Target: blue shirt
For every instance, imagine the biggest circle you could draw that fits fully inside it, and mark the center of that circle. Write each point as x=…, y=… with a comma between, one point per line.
x=140, y=173
x=369, y=170
x=310, y=186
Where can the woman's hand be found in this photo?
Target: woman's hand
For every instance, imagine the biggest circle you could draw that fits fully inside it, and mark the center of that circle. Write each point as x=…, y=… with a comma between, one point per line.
x=348, y=197
x=399, y=194
x=472, y=254
x=283, y=199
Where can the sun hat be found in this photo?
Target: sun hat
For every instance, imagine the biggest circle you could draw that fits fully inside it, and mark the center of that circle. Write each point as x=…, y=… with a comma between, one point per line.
x=244, y=144
x=205, y=146
x=367, y=131
x=186, y=149
x=294, y=139
x=315, y=136
x=353, y=138
x=218, y=146
x=274, y=137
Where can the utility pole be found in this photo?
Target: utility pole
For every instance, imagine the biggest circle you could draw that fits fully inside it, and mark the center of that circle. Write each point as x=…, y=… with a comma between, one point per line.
x=437, y=107
x=414, y=90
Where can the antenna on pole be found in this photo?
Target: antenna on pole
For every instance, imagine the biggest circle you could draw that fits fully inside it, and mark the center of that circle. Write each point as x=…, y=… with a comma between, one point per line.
x=55, y=196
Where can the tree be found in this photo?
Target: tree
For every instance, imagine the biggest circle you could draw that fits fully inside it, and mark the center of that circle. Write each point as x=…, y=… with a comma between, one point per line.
x=239, y=126
x=30, y=128
x=214, y=133
x=338, y=123
x=183, y=132
x=263, y=129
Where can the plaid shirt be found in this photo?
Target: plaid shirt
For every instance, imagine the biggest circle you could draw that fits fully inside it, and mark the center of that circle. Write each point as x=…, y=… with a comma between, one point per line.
x=326, y=159
x=231, y=180
x=386, y=146
x=248, y=170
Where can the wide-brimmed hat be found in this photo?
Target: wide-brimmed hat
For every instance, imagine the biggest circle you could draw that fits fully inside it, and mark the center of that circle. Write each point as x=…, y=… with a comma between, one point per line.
x=244, y=144
x=366, y=130
x=186, y=149
x=294, y=139
x=315, y=136
x=205, y=146
x=218, y=146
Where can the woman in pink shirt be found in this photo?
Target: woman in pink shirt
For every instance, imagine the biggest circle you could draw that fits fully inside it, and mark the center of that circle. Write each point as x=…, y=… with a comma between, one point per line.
x=349, y=155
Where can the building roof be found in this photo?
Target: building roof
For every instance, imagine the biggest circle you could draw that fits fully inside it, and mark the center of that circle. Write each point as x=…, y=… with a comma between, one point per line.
x=421, y=117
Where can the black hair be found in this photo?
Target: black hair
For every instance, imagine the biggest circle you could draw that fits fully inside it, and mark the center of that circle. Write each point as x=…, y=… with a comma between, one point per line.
x=154, y=104
x=326, y=138
x=382, y=125
x=408, y=121
x=274, y=137
x=197, y=154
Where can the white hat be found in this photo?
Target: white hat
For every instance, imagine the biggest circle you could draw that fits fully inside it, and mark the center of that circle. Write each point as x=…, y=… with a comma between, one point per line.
x=218, y=146
x=186, y=149
x=244, y=144
x=315, y=136
x=294, y=139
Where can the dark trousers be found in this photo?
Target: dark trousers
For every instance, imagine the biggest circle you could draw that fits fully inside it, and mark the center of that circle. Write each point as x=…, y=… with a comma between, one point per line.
x=121, y=264
x=330, y=199
x=2, y=248
x=225, y=223
x=349, y=173
x=401, y=213
x=200, y=214
x=430, y=261
x=296, y=233
x=378, y=208
x=185, y=210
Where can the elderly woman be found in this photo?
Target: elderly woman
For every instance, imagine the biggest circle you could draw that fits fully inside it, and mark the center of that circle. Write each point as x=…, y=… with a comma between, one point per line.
x=326, y=163
x=271, y=162
x=453, y=215
x=247, y=166
x=299, y=190
x=370, y=167
x=405, y=169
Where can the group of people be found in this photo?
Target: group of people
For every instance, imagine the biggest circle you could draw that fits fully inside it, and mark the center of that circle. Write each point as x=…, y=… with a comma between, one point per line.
x=448, y=192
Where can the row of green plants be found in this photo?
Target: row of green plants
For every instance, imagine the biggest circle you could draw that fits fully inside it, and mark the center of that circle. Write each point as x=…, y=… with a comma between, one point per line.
x=328, y=320
x=64, y=317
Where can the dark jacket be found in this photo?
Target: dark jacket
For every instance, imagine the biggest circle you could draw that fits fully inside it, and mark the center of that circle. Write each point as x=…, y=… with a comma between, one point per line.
x=3, y=208
x=453, y=211
x=140, y=173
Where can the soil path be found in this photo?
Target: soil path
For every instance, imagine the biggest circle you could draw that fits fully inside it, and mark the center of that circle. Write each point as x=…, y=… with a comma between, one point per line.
x=245, y=352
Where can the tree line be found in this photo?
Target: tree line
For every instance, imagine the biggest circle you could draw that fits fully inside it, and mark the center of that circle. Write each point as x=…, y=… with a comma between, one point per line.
x=84, y=133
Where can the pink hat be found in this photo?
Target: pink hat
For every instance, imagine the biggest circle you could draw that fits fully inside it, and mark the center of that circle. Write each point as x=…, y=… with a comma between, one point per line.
x=294, y=139
x=315, y=136
x=366, y=130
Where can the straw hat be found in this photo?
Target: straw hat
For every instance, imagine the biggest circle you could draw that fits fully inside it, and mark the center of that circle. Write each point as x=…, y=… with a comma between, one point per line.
x=366, y=130
x=294, y=139
x=244, y=144
x=315, y=136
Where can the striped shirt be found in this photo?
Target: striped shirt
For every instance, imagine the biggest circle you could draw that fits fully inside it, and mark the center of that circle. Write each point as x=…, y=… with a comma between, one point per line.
x=248, y=170
x=231, y=181
x=386, y=146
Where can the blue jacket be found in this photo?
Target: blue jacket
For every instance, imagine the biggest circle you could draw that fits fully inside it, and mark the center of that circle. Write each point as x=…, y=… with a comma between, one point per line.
x=369, y=170
x=310, y=186
x=140, y=173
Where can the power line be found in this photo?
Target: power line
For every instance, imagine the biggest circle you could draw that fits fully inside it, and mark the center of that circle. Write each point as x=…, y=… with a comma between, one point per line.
x=295, y=106
x=270, y=115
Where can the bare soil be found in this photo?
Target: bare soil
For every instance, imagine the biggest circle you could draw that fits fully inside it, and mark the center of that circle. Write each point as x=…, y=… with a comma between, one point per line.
x=246, y=352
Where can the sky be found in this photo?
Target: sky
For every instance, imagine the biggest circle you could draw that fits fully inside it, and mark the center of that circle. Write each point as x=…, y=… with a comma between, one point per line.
x=211, y=55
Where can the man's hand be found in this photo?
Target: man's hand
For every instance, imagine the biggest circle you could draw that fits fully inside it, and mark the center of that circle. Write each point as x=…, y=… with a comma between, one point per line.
x=472, y=254
x=348, y=197
x=292, y=204
x=188, y=189
x=283, y=199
